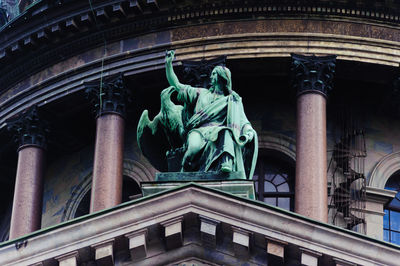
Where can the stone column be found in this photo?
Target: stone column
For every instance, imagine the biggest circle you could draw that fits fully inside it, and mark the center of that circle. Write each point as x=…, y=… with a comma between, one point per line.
x=109, y=99
x=312, y=80
x=30, y=133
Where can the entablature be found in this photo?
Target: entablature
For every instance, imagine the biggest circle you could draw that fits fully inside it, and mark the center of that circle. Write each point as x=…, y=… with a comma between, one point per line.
x=196, y=222
x=50, y=31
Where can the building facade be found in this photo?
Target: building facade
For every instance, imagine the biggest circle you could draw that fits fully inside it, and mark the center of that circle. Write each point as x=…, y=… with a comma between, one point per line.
x=320, y=85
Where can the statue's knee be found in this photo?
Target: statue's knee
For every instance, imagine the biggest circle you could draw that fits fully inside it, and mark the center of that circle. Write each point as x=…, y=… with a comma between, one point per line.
x=195, y=142
x=192, y=150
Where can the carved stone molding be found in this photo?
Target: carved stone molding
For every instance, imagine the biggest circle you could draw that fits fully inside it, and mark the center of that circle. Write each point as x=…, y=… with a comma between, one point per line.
x=109, y=95
x=384, y=169
x=180, y=207
x=29, y=128
x=312, y=74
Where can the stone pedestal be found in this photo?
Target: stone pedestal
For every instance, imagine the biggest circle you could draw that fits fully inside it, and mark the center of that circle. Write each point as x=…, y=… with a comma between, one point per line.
x=313, y=78
x=238, y=187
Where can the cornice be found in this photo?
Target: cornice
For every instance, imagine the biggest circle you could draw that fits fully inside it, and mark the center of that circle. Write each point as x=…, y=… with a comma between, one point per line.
x=52, y=30
x=379, y=195
x=252, y=216
x=48, y=86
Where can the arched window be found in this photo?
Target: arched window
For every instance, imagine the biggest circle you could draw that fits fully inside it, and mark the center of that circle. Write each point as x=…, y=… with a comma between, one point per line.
x=274, y=181
x=391, y=220
x=130, y=188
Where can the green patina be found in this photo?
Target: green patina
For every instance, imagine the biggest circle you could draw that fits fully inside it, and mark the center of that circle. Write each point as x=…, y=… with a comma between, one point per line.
x=238, y=187
x=207, y=132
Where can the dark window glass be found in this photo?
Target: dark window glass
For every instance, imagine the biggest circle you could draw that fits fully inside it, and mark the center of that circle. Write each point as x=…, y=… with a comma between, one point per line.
x=391, y=220
x=274, y=182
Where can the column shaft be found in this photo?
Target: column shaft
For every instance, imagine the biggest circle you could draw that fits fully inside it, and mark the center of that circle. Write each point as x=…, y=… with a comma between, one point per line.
x=108, y=162
x=27, y=205
x=311, y=157
x=313, y=78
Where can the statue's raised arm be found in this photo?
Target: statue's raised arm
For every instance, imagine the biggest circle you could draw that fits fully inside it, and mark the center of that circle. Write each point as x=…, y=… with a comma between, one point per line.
x=169, y=69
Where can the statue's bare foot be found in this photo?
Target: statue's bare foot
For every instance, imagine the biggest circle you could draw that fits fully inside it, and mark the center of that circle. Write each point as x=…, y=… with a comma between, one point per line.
x=226, y=166
x=226, y=169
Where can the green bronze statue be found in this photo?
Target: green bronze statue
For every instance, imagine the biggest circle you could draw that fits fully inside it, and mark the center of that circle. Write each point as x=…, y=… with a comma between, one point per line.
x=210, y=128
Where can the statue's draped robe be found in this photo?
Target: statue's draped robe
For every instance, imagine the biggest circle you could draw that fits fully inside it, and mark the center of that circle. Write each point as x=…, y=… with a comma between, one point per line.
x=220, y=119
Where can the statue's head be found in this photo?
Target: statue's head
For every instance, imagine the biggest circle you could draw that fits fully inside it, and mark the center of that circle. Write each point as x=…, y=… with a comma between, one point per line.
x=221, y=75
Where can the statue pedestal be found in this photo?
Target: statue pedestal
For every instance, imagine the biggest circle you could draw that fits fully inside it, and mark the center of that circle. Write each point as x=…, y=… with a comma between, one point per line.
x=233, y=183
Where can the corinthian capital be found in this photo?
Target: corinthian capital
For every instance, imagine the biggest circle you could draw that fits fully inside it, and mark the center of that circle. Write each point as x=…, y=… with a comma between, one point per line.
x=313, y=74
x=29, y=128
x=108, y=95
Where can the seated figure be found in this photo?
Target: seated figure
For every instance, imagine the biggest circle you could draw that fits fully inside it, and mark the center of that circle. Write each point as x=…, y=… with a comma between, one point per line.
x=215, y=133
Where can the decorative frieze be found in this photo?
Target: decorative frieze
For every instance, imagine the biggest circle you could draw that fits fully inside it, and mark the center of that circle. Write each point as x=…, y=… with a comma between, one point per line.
x=312, y=74
x=109, y=95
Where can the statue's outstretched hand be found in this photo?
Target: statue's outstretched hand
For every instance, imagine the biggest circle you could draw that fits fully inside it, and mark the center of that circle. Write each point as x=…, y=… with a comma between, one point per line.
x=169, y=56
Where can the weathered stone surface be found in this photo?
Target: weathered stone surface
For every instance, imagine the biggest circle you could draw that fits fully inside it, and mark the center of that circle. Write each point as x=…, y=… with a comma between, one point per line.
x=208, y=231
x=69, y=259
x=241, y=242
x=309, y=257
x=104, y=253
x=260, y=220
x=173, y=233
x=137, y=244
x=242, y=188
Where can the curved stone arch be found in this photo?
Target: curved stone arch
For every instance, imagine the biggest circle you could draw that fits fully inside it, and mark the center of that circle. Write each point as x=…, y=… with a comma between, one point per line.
x=132, y=169
x=384, y=169
x=77, y=195
x=278, y=142
x=137, y=171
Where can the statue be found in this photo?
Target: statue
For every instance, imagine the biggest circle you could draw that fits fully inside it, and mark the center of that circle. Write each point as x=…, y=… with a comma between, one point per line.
x=210, y=129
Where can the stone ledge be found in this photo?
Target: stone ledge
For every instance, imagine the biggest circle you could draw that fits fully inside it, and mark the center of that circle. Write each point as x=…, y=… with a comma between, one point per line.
x=192, y=200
